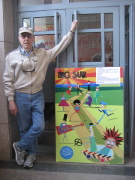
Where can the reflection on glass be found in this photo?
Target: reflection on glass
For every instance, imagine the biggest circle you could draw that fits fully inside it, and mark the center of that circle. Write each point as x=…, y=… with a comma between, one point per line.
x=108, y=20
x=45, y=41
x=44, y=24
x=108, y=48
x=89, y=21
x=26, y=23
x=37, y=2
x=89, y=47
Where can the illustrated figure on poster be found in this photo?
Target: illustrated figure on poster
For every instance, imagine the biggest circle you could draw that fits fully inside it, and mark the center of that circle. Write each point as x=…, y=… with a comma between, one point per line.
x=104, y=110
x=69, y=90
x=96, y=96
x=78, y=89
x=65, y=128
x=63, y=102
x=89, y=84
x=64, y=125
x=89, y=99
x=103, y=152
x=77, y=104
x=91, y=135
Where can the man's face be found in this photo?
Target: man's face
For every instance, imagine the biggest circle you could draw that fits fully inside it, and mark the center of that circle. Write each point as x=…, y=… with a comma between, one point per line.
x=26, y=40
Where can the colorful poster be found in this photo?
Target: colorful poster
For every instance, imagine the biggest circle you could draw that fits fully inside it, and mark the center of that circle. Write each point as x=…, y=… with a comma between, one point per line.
x=89, y=111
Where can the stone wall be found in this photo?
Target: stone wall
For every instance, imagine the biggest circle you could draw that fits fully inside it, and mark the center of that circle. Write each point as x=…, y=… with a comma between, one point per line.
x=8, y=124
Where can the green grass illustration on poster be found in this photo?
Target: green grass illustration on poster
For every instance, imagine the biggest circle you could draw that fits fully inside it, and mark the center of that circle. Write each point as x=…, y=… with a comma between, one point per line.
x=89, y=115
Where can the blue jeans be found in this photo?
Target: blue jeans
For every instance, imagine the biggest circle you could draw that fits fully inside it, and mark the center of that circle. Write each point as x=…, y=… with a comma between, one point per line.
x=30, y=118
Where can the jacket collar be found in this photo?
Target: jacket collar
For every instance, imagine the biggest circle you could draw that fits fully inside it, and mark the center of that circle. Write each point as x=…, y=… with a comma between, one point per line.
x=24, y=52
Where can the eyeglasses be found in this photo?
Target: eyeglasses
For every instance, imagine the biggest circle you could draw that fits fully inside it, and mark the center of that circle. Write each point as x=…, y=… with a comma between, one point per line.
x=24, y=35
x=28, y=66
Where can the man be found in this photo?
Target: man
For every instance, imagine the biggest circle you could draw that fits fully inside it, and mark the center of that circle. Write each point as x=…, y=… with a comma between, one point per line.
x=25, y=72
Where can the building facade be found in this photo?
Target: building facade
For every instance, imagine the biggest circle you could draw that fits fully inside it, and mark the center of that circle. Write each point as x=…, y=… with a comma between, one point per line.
x=107, y=28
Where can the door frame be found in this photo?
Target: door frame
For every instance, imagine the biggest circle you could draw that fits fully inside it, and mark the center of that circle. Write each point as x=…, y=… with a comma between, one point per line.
x=95, y=4
x=115, y=29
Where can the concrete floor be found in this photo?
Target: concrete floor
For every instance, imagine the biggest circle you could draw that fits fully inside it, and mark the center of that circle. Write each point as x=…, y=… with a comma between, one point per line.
x=45, y=168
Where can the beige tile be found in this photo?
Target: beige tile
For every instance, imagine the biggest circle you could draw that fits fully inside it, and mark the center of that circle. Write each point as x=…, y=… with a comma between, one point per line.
x=8, y=48
x=5, y=116
x=8, y=134
x=1, y=72
x=1, y=51
x=3, y=106
x=4, y=142
x=5, y=48
x=8, y=21
x=1, y=61
x=1, y=22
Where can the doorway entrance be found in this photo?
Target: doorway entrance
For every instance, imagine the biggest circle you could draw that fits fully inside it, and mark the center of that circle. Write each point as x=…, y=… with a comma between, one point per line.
x=97, y=43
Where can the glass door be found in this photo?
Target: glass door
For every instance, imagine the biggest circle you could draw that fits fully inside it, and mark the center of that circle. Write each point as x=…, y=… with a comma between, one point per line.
x=96, y=41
